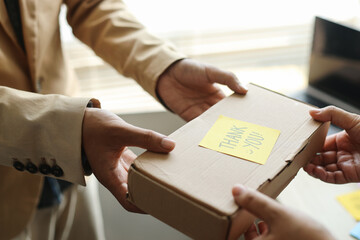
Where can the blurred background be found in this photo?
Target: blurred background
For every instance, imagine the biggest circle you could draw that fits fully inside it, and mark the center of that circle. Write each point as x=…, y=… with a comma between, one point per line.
x=261, y=41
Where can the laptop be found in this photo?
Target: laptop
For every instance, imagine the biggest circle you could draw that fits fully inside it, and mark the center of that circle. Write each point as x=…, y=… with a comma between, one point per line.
x=334, y=68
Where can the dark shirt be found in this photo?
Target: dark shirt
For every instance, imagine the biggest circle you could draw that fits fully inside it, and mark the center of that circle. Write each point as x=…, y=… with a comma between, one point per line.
x=13, y=9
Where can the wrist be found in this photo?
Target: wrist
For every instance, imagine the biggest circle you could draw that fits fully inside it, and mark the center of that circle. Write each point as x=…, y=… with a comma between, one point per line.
x=84, y=160
x=164, y=77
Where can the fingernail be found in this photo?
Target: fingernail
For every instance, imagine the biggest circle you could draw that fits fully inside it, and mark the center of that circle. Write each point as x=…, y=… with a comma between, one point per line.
x=237, y=189
x=167, y=143
x=241, y=86
x=315, y=111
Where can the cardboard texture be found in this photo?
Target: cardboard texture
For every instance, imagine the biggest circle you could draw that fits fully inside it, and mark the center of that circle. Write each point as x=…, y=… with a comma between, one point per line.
x=190, y=188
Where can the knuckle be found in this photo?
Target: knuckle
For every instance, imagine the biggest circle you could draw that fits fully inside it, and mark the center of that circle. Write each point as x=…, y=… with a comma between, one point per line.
x=233, y=76
x=356, y=120
x=148, y=137
x=331, y=109
x=209, y=72
x=248, y=199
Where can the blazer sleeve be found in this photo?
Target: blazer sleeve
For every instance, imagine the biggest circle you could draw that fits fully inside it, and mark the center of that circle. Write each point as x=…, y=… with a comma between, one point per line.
x=42, y=132
x=116, y=36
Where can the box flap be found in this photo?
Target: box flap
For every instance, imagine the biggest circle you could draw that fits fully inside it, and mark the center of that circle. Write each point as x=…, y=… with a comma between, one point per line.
x=207, y=176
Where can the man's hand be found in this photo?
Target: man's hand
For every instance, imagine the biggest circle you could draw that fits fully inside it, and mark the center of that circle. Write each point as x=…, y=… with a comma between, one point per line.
x=105, y=138
x=279, y=222
x=339, y=161
x=187, y=87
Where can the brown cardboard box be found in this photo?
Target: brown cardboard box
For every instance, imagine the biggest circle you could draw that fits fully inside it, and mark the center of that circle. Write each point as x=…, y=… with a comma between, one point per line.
x=190, y=188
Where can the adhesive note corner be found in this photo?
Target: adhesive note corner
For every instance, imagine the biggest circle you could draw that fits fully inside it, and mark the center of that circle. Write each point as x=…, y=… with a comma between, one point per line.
x=351, y=202
x=355, y=232
x=241, y=139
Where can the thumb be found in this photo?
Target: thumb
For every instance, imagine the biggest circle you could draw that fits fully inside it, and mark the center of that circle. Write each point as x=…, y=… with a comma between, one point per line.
x=256, y=203
x=226, y=78
x=148, y=139
x=337, y=116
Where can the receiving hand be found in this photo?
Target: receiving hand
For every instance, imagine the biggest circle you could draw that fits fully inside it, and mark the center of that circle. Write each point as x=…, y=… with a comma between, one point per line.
x=105, y=138
x=280, y=222
x=339, y=161
x=187, y=87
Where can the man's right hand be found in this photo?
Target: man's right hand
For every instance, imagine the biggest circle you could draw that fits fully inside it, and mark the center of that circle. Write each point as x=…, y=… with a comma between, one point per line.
x=339, y=161
x=105, y=139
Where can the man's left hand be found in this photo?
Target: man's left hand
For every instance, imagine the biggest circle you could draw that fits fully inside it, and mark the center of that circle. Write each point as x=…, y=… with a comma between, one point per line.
x=188, y=87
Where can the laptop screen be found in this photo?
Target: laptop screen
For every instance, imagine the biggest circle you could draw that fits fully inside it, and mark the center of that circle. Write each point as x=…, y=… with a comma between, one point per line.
x=335, y=61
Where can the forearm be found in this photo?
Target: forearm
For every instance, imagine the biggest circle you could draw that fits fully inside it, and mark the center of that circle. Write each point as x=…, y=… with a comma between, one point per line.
x=42, y=129
x=118, y=38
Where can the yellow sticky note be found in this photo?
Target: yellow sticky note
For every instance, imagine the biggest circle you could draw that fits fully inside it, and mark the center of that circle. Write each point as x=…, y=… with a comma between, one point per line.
x=241, y=139
x=351, y=203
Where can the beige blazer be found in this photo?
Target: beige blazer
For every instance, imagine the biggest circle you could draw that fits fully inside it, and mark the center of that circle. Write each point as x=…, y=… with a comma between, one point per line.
x=40, y=122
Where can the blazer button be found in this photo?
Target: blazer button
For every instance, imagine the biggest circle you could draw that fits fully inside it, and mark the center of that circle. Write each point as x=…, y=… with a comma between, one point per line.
x=44, y=168
x=31, y=167
x=18, y=166
x=57, y=171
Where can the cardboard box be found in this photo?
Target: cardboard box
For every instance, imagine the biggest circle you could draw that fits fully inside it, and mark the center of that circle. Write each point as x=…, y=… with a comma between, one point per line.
x=190, y=188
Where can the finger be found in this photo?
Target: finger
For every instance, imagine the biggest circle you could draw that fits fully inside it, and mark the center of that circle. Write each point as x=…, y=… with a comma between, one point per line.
x=331, y=167
x=336, y=177
x=229, y=79
x=120, y=192
x=241, y=221
x=320, y=173
x=195, y=111
x=251, y=233
x=147, y=139
x=340, y=178
x=257, y=204
x=191, y=114
x=128, y=157
x=126, y=160
x=325, y=158
x=349, y=170
x=263, y=228
x=309, y=168
x=337, y=117
x=330, y=143
x=115, y=181
x=215, y=98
